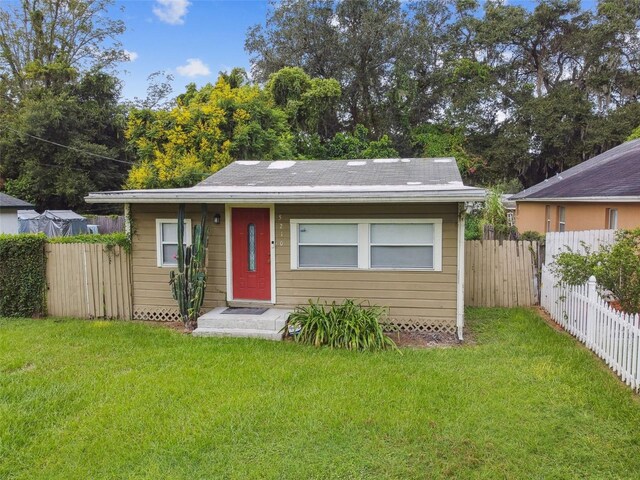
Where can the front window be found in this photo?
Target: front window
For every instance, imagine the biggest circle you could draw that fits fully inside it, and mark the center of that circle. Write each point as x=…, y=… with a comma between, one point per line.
x=327, y=245
x=406, y=244
x=167, y=241
x=401, y=245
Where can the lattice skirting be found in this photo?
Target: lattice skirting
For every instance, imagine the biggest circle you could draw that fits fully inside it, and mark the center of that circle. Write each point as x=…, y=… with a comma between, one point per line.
x=168, y=314
x=158, y=314
x=423, y=326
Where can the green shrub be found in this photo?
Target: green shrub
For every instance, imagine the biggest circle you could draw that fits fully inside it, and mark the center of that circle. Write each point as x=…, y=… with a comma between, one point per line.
x=473, y=227
x=22, y=275
x=110, y=240
x=616, y=268
x=532, y=236
x=349, y=325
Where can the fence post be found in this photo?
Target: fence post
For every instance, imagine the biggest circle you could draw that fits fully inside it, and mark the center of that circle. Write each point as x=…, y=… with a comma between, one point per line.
x=592, y=302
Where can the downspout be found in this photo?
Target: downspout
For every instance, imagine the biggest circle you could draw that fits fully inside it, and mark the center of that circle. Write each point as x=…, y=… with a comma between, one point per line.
x=460, y=272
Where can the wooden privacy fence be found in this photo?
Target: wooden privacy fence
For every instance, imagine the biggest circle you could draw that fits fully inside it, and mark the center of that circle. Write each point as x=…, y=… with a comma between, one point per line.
x=500, y=273
x=614, y=336
x=88, y=281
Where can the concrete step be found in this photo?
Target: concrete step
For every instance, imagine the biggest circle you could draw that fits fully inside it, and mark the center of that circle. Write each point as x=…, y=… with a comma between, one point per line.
x=265, y=325
x=252, y=322
x=237, y=332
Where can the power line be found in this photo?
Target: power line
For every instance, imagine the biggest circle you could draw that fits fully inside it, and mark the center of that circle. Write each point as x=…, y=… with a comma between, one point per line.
x=68, y=147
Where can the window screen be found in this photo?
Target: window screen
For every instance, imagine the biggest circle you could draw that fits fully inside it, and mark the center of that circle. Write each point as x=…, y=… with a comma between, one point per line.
x=401, y=245
x=328, y=245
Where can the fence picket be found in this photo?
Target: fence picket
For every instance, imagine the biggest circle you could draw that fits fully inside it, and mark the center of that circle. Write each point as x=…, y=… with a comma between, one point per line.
x=612, y=335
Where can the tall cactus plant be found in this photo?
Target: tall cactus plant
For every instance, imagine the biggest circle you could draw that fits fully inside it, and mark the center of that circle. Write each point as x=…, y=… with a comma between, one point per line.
x=189, y=282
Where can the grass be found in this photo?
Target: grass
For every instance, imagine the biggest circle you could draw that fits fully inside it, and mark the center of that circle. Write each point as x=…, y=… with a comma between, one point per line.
x=92, y=399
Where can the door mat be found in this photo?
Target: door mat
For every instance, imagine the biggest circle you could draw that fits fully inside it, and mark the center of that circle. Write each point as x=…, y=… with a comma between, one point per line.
x=244, y=311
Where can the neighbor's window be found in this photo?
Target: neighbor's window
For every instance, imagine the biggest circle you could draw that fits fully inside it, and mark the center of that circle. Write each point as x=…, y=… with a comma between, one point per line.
x=401, y=245
x=561, y=219
x=367, y=244
x=327, y=245
x=167, y=240
x=612, y=218
x=547, y=216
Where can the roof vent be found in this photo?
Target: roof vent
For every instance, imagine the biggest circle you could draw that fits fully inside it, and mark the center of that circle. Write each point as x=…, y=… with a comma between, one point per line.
x=247, y=162
x=386, y=160
x=355, y=164
x=443, y=160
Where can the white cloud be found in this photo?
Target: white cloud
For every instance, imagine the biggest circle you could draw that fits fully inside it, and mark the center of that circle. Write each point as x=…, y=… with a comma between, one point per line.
x=132, y=56
x=194, y=68
x=171, y=11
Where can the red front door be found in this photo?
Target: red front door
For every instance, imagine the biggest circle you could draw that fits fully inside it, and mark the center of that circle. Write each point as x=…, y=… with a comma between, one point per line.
x=251, y=253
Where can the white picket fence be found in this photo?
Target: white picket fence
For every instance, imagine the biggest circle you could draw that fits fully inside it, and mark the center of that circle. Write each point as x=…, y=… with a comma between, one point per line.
x=557, y=242
x=614, y=336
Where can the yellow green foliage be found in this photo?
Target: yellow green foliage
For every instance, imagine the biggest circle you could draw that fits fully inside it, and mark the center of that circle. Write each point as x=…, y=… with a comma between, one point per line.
x=206, y=130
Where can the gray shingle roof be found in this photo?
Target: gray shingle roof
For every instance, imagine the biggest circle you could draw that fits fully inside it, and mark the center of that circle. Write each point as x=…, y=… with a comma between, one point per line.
x=12, y=202
x=382, y=180
x=338, y=173
x=614, y=173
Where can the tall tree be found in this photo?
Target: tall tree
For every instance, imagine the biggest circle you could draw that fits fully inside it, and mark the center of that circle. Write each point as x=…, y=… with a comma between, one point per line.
x=86, y=119
x=61, y=128
x=357, y=42
x=47, y=42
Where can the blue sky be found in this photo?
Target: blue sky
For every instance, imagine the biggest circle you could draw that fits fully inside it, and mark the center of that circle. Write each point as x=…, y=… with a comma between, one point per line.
x=184, y=38
x=191, y=39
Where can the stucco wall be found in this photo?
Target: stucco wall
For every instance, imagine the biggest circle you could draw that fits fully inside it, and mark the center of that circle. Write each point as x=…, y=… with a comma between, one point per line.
x=579, y=216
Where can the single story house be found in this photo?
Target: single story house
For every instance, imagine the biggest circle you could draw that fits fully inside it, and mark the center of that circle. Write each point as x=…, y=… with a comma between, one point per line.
x=600, y=193
x=386, y=231
x=9, y=207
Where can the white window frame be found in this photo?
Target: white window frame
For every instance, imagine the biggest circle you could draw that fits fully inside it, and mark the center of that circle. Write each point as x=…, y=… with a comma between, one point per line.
x=160, y=242
x=364, y=242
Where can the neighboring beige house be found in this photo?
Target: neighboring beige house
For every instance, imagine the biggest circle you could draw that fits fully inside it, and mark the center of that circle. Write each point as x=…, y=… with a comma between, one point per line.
x=9, y=207
x=386, y=231
x=600, y=193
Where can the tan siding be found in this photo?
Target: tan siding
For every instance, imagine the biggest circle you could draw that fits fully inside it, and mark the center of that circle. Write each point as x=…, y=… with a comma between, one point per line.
x=414, y=298
x=151, y=292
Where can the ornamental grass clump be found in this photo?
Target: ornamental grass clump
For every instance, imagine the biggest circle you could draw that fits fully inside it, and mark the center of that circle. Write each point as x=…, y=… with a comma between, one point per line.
x=349, y=325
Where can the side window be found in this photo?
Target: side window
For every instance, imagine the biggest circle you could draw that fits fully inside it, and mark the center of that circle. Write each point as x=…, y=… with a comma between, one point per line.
x=167, y=241
x=547, y=216
x=561, y=219
x=612, y=218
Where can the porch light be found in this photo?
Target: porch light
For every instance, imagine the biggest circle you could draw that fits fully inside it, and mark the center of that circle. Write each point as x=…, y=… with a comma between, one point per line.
x=216, y=219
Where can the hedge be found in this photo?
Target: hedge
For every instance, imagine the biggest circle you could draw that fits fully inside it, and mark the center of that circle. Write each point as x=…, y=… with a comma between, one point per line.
x=110, y=240
x=22, y=275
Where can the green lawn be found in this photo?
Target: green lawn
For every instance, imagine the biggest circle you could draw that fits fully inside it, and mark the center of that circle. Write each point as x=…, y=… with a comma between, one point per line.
x=82, y=399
